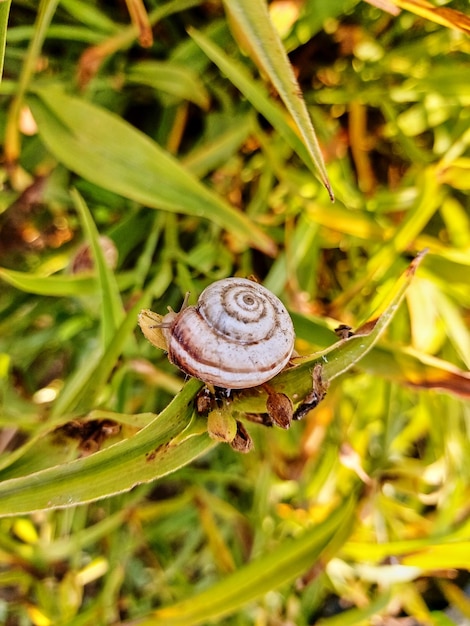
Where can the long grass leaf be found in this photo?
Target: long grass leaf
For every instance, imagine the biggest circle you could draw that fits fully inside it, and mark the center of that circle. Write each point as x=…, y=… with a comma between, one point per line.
x=60, y=286
x=107, y=151
x=142, y=458
x=112, y=311
x=256, y=95
x=4, y=12
x=273, y=569
x=252, y=20
x=338, y=358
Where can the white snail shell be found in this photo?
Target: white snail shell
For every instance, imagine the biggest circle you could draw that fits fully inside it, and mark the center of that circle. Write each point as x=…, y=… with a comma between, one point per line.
x=238, y=335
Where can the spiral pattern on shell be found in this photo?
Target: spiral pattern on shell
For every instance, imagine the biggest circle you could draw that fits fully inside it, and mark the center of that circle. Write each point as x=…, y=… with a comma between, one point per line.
x=239, y=335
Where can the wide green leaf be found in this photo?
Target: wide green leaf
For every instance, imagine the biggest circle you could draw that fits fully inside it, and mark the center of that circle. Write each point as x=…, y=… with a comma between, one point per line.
x=107, y=151
x=144, y=457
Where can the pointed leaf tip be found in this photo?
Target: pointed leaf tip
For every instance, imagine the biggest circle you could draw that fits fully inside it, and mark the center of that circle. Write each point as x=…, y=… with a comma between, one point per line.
x=417, y=261
x=330, y=191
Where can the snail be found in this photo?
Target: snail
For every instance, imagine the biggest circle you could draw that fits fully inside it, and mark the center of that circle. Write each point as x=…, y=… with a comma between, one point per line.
x=238, y=335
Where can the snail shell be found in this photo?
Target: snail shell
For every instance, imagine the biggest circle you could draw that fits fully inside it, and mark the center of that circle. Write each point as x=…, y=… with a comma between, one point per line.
x=238, y=335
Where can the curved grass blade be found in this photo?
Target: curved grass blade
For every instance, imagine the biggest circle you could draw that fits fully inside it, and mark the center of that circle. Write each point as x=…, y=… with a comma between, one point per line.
x=4, y=12
x=107, y=151
x=60, y=286
x=112, y=311
x=444, y=16
x=12, y=141
x=170, y=78
x=264, y=574
x=146, y=456
x=256, y=95
x=252, y=21
x=218, y=150
x=418, y=370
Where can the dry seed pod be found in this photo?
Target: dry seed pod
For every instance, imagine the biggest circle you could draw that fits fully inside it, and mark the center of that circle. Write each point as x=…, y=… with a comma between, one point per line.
x=239, y=335
x=242, y=441
x=280, y=408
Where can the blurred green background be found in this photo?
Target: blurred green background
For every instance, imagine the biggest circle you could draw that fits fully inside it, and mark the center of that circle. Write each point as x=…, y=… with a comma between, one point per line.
x=150, y=150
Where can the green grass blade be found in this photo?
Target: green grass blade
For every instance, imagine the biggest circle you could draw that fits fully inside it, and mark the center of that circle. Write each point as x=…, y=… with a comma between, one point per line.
x=272, y=570
x=112, y=311
x=84, y=387
x=171, y=78
x=107, y=151
x=4, y=12
x=142, y=458
x=218, y=150
x=60, y=286
x=357, y=346
x=256, y=94
x=46, y=10
x=91, y=16
x=252, y=19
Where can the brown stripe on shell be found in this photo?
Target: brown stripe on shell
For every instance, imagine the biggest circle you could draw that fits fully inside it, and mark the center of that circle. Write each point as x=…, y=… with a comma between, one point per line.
x=183, y=345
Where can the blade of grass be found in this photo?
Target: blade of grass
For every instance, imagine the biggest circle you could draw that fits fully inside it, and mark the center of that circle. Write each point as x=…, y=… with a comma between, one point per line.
x=4, y=13
x=409, y=367
x=12, y=138
x=91, y=16
x=60, y=286
x=107, y=151
x=171, y=78
x=403, y=237
x=257, y=95
x=264, y=574
x=440, y=15
x=83, y=388
x=125, y=37
x=112, y=311
x=146, y=456
x=218, y=150
x=252, y=20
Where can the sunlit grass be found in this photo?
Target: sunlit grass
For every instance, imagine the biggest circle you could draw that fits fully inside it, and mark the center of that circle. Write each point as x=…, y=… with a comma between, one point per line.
x=185, y=157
